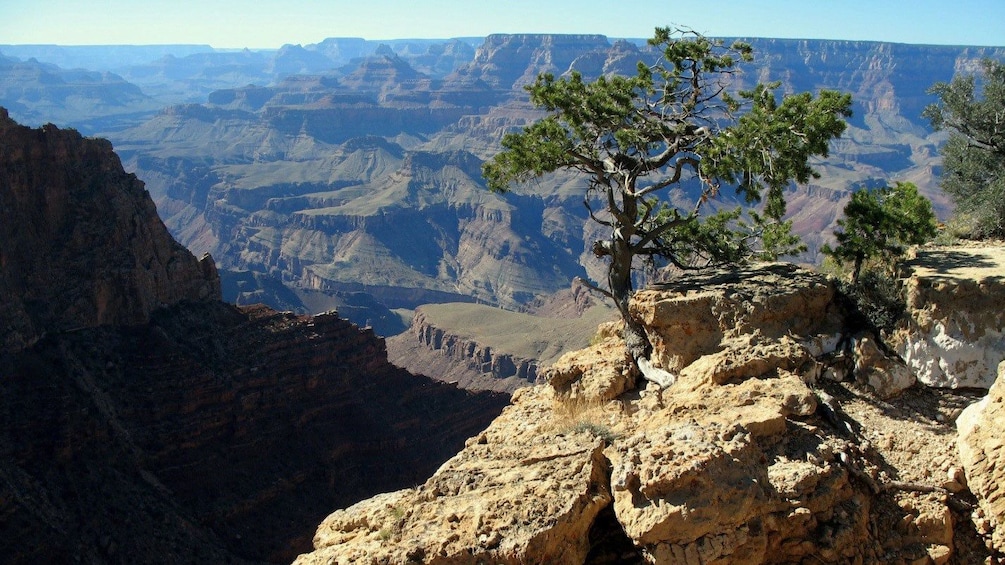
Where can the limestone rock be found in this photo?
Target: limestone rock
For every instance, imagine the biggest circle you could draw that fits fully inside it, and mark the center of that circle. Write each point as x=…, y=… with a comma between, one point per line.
x=982, y=452
x=885, y=375
x=526, y=490
x=592, y=373
x=770, y=301
x=741, y=461
x=953, y=336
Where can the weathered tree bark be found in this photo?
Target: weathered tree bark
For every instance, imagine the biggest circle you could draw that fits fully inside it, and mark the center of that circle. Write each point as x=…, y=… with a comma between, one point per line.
x=619, y=282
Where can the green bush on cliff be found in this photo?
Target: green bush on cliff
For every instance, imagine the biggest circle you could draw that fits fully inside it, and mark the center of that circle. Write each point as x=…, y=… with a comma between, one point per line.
x=974, y=156
x=879, y=224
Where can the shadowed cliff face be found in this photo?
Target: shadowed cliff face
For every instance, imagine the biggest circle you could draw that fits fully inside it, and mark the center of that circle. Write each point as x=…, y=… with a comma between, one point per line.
x=144, y=421
x=243, y=427
x=82, y=242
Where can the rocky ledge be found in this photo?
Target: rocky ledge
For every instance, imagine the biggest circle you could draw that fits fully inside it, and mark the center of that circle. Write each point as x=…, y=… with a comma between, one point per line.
x=771, y=447
x=954, y=334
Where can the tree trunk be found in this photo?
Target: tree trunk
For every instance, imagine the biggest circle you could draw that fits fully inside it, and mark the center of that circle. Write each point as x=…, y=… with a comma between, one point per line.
x=619, y=279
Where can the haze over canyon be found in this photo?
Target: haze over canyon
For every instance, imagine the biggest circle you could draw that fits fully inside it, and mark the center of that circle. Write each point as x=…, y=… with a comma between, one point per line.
x=346, y=174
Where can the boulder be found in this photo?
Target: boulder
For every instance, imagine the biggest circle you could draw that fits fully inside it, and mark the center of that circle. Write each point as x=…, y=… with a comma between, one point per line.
x=982, y=452
x=885, y=375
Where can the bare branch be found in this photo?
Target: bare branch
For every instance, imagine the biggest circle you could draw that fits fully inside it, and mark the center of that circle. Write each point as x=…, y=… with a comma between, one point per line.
x=654, y=234
x=673, y=179
x=586, y=202
x=593, y=287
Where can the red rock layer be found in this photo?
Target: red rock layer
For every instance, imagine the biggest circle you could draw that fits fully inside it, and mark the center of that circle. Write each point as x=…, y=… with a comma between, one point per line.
x=82, y=244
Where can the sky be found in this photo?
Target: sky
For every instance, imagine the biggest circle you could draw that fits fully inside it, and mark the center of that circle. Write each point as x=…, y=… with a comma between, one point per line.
x=273, y=23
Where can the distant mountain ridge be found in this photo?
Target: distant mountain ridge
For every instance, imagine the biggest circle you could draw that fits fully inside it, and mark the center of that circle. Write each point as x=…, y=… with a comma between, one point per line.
x=315, y=179
x=333, y=228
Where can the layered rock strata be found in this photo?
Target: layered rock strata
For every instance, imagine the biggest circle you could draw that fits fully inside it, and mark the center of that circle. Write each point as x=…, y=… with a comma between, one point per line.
x=461, y=359
x=82, y=242
x=754, y=455
x=484, y=348
x=954, y=334
x=144, y=421
x=250, y=424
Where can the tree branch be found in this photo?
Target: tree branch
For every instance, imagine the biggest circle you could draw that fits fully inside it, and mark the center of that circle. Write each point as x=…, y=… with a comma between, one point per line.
x=652, y=235
x=673, y=179
x=593, y=287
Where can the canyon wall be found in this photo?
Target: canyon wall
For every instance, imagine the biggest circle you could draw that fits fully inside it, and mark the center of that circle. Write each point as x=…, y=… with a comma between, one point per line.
x=243, y=425
x=286, y=182
x=144, y=421
x=479, y=347
x=83, y=244
x=460, y=359
x=770, y=447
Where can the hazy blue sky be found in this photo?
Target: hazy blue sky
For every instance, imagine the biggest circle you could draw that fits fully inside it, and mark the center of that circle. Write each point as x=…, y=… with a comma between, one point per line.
x=272, y=23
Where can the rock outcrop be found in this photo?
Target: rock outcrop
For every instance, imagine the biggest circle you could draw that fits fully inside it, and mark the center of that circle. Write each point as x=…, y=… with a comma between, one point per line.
x=982, y=453
x=481, y=359
x=954, y=334
x=755, y=455
x=484, y=348
x=144, y=421
x=82, y=242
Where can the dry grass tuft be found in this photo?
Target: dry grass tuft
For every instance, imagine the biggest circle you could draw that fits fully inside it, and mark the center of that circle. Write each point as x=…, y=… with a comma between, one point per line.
x=575, y=414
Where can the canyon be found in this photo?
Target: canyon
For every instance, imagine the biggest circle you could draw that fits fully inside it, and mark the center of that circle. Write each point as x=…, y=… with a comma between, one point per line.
x=143, y=419
x=351, y=167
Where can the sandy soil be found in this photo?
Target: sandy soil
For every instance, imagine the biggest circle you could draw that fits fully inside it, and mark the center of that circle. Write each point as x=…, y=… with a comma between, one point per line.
x=976, y=260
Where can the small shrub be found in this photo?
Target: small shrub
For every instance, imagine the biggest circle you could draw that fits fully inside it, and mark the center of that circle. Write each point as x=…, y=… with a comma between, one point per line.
x=596, y=430
x=877, y=300
x=577, y=415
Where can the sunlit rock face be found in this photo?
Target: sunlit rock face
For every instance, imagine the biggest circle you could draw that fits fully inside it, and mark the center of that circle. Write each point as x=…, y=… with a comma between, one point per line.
x=982, y=454
x=954, y=331
x=768, y=448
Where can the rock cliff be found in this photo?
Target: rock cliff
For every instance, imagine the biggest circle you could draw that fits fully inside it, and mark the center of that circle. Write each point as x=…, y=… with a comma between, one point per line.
x=484, y=348
x=769, y=448
x=144, y=421
x=245, y=426
x=62, y=197
x=954, y=333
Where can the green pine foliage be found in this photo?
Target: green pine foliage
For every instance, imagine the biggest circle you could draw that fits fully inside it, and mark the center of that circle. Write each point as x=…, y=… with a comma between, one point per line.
x=880, y=224
x=972, y=109
x=644, y=142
